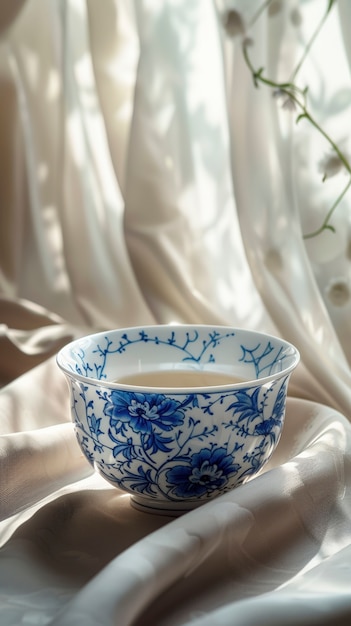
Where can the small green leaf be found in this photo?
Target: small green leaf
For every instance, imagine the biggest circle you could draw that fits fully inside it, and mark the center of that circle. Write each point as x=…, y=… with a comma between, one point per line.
x=301, y=117
x=257, y=76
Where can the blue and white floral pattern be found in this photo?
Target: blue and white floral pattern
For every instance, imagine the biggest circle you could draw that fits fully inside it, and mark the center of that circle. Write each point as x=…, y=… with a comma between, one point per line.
x=161, y=447
x=206, y=471
x=177, y=446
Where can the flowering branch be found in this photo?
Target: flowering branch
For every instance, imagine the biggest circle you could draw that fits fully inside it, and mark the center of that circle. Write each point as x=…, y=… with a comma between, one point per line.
x=295, y=97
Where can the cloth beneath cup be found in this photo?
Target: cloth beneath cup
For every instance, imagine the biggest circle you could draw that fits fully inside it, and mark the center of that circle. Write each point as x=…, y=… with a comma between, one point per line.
x=275, y=551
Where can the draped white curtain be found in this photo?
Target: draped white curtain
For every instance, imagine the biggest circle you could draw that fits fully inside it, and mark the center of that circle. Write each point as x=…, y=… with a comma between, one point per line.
x=145, y=178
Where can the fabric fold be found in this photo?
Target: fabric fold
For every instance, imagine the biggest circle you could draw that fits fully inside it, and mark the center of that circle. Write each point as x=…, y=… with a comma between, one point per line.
x=36, y=463
x=260, y=537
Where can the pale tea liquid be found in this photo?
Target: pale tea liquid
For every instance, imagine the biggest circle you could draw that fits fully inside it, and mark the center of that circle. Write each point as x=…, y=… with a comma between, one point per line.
x=179, y=378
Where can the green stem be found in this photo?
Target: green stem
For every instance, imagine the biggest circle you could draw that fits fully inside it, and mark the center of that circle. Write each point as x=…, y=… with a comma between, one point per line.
x=290, y=90
x=259, y=11
x=305, y=114
x=326, y=224
x=295, y=94
x=312, y=40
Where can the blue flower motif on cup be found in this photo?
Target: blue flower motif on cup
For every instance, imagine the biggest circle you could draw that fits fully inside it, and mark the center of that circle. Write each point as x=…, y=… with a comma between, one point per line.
x=246, y=404
x=145, y=414
x=266, y=426
x=205, y=472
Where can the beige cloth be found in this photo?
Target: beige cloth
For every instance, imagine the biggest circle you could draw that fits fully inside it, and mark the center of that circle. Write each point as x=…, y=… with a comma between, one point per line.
x=145, y=179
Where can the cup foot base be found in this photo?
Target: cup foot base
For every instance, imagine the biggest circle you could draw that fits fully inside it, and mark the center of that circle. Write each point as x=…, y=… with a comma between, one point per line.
x=172, y=509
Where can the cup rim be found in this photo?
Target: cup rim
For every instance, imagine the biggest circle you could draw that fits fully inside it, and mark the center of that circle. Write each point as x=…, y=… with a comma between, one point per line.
x=252, y=382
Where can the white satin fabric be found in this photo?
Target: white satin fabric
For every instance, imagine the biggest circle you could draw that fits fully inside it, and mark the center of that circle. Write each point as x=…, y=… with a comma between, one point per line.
x=145, y=179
